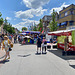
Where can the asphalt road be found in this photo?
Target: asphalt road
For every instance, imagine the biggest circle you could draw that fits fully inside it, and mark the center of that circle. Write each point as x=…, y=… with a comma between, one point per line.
x=25, y=61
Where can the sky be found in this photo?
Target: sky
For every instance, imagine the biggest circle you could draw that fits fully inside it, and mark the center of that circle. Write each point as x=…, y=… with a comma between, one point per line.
x=23, y=13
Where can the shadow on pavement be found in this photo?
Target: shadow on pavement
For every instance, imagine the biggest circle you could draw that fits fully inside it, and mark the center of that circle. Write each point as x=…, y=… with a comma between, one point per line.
x=2, y=57
x=24, y=55
x=26, y=44
x=58, y=52
x=73, y=66
x=3, y=61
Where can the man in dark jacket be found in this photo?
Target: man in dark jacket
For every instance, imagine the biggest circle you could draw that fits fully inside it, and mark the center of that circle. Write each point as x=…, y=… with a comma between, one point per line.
x=39, y=42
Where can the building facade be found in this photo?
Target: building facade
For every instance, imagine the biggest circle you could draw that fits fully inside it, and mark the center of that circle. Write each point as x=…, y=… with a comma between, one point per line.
x=46, y=20
x=16, y=31
x=66, y=17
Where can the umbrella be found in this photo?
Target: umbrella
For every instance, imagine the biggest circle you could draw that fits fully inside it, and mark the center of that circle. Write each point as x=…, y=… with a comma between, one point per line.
x=27, y=37
x=23, y=33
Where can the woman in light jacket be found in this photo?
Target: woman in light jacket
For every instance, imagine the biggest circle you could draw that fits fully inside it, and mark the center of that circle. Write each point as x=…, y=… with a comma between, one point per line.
x=6, y=44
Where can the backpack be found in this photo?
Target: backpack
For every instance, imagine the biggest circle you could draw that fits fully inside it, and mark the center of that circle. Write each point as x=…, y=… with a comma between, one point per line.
x=45, y=42
x=39, y=41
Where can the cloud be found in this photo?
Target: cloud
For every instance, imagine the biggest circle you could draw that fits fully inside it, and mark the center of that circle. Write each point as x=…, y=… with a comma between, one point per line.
x=30, y=13
x=25, y=23
x=24, y=14
x=57, y=9
x=8, y=18
x=18, y=27
x=35, y=3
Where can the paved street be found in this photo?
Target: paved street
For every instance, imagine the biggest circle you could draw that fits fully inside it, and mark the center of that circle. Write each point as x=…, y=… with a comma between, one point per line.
x=2, y=53
x=25, y=61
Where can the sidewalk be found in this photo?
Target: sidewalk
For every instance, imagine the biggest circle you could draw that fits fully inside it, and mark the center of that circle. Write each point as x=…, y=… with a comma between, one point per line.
x=2, y=53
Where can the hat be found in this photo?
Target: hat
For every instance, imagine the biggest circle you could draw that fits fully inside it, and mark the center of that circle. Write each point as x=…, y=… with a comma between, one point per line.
x=5, y=37
x=43, y=37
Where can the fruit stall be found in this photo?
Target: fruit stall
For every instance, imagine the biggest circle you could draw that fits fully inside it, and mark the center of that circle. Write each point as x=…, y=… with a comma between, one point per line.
x=61, y=35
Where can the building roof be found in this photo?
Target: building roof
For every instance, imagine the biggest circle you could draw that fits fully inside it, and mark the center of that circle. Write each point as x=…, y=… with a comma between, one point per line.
x=67, y=7
x=47, y=18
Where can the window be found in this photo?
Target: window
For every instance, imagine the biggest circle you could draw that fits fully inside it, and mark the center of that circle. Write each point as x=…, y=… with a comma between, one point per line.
x=72, y=12
x=71, y=22
x=45, y=18
x=60, y=16
x=66, y=14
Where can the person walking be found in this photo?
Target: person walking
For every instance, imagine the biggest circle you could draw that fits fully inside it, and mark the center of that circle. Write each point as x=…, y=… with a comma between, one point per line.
x=15, y=38
x=65, y=45
x=39, y=42
x=44, y=44
x=6, y=45
x=10, y=37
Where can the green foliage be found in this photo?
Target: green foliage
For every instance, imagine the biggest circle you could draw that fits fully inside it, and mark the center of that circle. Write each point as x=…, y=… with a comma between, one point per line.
x=20, y=31
x=24, y=28
x=5, y=21
x=40, y=28
x=1, y=19
x=53, y=23
x=9, y=28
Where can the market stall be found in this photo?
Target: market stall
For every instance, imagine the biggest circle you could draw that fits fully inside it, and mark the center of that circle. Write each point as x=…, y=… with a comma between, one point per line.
x=33, y=35
x=61, y=35
x=31, y=32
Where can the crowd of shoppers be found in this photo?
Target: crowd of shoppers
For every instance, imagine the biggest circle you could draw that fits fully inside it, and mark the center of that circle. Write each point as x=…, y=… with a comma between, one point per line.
x=6, y=40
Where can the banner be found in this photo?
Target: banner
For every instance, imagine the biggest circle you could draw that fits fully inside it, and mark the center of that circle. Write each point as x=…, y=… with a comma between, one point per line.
x=60, y=39
x=61, y=46
x=73, y=37
x=0, y=29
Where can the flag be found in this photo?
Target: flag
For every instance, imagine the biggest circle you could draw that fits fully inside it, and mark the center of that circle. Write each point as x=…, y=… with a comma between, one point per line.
x=42, y=31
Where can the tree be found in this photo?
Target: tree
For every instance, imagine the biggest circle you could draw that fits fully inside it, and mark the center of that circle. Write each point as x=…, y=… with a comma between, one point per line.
x=24, y=28
x=1, y=19
x=40, y=28
x=34, y=28
x=9, y=28
x=53, y=23
x=5, y=21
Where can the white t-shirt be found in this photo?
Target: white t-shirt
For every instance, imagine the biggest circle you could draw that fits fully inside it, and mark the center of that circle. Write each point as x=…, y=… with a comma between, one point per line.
x=6, y=44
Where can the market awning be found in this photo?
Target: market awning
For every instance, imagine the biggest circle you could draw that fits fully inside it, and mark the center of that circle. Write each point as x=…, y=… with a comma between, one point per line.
x=27, y=37
x=71, y=21
x=23, y=33
x=64, y=23
x=58, y=24
x=31, y=32
x=61, y=32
